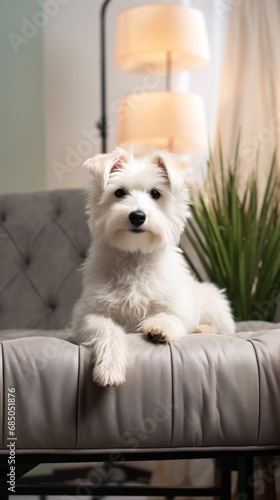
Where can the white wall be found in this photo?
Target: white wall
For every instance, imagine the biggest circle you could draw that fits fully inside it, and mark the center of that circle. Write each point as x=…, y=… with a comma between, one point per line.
x=72, y=87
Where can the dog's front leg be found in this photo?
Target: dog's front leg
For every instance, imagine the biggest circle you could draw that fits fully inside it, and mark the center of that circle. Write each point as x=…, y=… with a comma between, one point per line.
x=163, y=328
x=109, y=349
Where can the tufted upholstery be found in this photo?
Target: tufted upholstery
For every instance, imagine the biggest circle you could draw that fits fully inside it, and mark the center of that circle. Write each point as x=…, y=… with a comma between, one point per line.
x=43, y=241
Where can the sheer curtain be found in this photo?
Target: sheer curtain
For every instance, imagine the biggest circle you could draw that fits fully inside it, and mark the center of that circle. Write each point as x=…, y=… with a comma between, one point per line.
x=250, y=88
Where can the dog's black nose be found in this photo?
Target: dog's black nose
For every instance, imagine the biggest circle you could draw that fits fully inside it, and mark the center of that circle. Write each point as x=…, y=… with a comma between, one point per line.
x=137, y=218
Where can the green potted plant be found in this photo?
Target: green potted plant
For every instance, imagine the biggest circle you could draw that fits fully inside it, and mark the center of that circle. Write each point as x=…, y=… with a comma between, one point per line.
x=237, y=238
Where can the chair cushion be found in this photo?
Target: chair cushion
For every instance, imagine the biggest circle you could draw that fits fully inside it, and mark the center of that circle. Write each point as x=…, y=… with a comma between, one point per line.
x=206, y=392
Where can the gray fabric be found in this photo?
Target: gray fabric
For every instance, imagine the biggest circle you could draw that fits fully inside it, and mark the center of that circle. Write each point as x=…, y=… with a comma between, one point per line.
x=186, y=395
x=43, y=241
x=44, y=375
x=254, y=326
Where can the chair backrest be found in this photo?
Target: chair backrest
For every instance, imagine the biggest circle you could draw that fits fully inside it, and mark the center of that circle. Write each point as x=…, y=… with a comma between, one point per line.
x=44, y=238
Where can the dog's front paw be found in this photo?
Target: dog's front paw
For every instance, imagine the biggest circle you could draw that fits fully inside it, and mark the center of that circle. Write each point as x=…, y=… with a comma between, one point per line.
x=156, y=334
x=108, y=377
x=163, y=328
x=110, y=358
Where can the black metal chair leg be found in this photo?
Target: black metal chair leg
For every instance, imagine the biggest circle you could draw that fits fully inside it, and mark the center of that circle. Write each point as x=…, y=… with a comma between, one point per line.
x=246, y=478
x=225, y=484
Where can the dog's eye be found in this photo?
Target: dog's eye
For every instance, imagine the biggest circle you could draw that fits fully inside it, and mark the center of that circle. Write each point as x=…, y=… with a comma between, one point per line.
x=120, y=193
x=155, y=194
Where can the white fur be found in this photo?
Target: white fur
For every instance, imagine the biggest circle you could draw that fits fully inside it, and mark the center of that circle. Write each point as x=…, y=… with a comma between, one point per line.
x=140, y=281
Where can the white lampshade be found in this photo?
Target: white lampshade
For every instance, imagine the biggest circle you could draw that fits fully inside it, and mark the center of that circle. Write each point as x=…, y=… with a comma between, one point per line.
x=166, y=120
x=148, y=35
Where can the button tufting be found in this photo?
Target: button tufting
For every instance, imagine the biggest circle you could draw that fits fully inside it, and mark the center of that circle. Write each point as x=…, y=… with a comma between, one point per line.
x=83, y=255
x=27, y=261
x=58, y=212
x=52, y=306
x=3, y=217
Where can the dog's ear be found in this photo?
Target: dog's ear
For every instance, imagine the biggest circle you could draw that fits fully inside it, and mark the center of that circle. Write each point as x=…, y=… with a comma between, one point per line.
x=102, y=165
x=174, y=168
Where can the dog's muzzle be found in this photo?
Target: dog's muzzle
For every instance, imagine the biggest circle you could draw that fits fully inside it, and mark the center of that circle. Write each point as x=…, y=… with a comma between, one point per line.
x=137, y=218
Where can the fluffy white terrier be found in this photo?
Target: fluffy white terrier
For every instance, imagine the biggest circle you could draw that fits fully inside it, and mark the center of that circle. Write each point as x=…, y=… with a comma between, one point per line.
x=135, y=278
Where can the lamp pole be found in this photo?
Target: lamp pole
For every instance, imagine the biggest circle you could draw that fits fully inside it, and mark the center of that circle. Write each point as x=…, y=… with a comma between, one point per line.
x=102, y=124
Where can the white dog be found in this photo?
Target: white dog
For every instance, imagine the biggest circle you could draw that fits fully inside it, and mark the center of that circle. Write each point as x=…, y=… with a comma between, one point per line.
x=135, y=278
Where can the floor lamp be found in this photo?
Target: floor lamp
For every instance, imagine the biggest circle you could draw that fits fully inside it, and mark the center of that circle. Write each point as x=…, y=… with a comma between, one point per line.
x=163, y=39
x=102, y=124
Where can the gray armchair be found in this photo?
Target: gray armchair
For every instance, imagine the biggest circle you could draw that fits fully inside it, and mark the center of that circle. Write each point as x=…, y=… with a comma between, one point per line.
x=208, y=396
